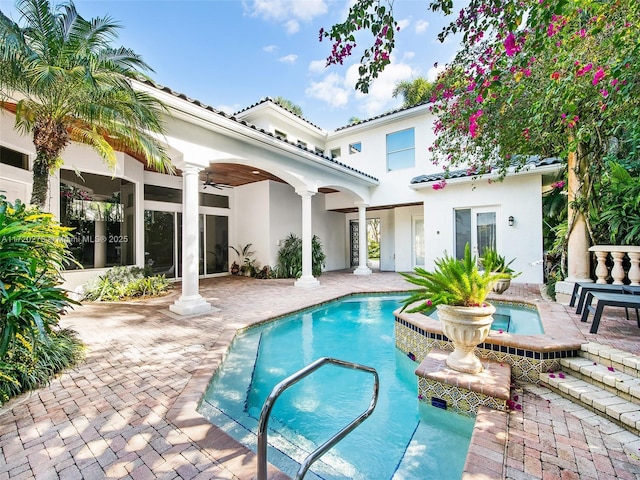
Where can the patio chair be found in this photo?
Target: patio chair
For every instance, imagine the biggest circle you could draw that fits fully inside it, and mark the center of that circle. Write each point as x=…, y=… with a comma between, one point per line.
x=626, y=300
x=580, y=290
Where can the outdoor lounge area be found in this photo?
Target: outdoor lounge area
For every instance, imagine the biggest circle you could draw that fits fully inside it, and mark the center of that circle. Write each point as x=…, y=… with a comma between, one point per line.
x=129, y=411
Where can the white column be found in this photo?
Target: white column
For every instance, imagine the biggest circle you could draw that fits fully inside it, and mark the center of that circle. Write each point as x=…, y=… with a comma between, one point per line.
x=307, y=280
x=190, y=302
x=100, y=244
x=363, y=246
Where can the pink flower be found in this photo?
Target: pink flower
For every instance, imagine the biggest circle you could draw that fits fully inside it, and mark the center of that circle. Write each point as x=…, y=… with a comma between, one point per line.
x=599, y=75
x=429, y=303
x=439, y=186
x=604, y=92
x=611, y=369
x=510, y=46
x=473, y=123
x=559, y=185
x=584, y=70
x=582, y=33
x=479, y=98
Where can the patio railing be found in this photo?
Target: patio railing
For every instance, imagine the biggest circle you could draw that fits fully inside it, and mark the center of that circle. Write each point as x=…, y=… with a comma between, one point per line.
x=617, y=254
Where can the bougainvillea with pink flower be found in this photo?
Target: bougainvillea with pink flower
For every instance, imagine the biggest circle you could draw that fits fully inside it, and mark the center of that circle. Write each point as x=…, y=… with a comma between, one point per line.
x=551, y=78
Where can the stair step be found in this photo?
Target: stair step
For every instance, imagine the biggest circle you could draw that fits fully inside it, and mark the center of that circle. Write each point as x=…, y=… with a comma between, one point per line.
x=608, y=378
x=611, y=357
x=605, y=403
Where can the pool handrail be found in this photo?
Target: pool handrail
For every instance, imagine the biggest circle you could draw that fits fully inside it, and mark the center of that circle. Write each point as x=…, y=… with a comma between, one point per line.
x=322, y=449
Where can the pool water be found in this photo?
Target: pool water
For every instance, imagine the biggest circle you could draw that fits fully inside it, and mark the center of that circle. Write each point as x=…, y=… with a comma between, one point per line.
x=510, y=318
x=403, y=439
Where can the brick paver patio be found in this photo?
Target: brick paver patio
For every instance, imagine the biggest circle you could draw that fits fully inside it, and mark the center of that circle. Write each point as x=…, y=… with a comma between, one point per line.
x=128, y=410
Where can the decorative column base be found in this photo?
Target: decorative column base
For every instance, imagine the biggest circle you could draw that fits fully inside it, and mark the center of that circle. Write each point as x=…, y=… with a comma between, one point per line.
x=190, y=305
x=564, y=289
x=307, y=281
x=362, y=270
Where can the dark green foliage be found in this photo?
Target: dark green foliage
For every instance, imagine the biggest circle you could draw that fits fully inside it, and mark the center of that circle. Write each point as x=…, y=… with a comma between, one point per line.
x=32, y=254
x=494, y=262
x=33, y=251
x=617, y=222
x=28, y=366
x=290, y=257
x=122, y=282
x=453, y=282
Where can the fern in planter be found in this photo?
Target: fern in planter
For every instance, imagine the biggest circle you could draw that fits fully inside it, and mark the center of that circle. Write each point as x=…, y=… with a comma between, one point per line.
x=290, y=257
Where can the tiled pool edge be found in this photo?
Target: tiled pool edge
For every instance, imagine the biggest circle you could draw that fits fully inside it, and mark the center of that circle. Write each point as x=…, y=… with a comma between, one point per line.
x=485, y=458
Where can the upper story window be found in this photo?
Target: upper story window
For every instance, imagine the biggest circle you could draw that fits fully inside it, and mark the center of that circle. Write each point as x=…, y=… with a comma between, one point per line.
x=355, y=148
x=13, y=158
x=401, y=149
x=335, y=153
x=280, y=134
x=319, y=151
x=302, y=144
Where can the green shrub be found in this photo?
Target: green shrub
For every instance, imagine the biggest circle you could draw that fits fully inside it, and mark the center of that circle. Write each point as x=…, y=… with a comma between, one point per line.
x=290, y=257
x=33, y=252
x=28, y=366
x=123, y=282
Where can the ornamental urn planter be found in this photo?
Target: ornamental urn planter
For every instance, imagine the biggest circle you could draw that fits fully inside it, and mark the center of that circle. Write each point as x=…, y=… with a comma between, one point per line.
x=501, y=285
x=466, y=327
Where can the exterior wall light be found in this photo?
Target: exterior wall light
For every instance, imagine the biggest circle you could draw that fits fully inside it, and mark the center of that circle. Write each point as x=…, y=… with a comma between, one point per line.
x=511, y=220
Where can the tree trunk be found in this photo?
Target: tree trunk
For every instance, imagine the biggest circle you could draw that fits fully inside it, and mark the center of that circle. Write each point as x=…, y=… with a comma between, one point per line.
x=578, y=258
x=40, y=181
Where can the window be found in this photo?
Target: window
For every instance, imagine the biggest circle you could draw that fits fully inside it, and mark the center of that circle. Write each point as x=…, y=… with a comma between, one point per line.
x=13, y=158
x=355, y=148
x=335, y=153
x=162, y=194
x=319, y=151
x=280, y=134
x=401, y=149
x=101, y=212
x=302, y=144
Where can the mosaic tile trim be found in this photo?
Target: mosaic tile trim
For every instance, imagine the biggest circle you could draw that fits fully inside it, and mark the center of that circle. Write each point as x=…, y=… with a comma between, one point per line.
x=526, y=365
x=458, y=399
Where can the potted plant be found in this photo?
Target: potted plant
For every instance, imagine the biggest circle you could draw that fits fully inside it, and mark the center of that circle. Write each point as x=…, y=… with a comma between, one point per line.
x=247, y=264
x=491, y=260
x=458, y=289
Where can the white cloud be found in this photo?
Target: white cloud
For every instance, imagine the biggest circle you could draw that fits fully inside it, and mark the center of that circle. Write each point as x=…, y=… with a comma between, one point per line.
x=434, y=71
x=421, y=26
x=292, y=26
x=404, y=23
x=380, y=93
x=270, y=48
x=331, y=90
x=230, y=109
x=317, y=66
x=408, y=55
x=291, y=58
x=287, y=12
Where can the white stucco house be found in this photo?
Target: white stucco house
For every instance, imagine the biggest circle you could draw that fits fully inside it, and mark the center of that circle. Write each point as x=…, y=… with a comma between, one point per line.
x=280, y=174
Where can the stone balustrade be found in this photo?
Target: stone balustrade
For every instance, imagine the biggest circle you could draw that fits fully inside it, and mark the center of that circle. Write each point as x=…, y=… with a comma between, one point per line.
x=617, y=272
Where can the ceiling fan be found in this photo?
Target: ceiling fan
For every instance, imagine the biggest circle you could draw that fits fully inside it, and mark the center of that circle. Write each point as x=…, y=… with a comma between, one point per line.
x=210, y=183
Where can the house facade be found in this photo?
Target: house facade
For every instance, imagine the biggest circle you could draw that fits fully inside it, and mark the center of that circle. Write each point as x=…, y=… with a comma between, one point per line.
x=263, y=173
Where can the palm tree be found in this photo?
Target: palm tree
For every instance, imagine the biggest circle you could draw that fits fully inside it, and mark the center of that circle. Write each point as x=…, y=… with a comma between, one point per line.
x=413, y=92
x=69, y=84
x=289, y=105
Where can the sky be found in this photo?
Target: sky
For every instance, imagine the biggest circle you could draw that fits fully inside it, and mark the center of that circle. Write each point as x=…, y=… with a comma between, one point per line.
x=230, y=54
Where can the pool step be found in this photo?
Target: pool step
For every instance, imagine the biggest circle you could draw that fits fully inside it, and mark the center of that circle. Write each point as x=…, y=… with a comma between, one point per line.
x=602, y=379
x=463, y=392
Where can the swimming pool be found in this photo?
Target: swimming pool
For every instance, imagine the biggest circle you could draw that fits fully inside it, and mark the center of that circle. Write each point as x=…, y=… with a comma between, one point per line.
x=511, y=318
x=403, y=439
